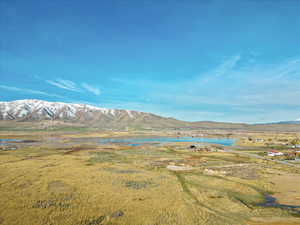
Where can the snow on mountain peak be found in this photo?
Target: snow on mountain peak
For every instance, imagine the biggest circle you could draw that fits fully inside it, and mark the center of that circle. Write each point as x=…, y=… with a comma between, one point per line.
x=45, y=110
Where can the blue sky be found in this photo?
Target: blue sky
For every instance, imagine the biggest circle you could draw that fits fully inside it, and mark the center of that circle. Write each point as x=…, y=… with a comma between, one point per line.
x=221, y=60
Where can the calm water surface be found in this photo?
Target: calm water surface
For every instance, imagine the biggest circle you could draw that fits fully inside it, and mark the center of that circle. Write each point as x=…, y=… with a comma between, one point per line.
x=8, y=141
x=158, y=140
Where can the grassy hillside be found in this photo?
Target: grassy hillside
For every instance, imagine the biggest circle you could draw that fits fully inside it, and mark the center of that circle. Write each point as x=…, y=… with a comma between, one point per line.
x=142, y=123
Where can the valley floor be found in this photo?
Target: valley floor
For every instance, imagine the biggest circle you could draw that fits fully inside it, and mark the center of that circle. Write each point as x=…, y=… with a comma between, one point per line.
x=56, y=180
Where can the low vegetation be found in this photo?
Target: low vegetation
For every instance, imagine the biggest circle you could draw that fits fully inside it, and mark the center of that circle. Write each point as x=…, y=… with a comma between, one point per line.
x=82, y=183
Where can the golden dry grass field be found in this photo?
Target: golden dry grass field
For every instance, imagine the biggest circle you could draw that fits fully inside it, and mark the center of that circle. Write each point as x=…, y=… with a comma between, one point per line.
x=61, y=182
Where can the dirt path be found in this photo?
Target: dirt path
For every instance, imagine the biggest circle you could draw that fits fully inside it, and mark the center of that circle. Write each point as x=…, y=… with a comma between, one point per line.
x=260, y=157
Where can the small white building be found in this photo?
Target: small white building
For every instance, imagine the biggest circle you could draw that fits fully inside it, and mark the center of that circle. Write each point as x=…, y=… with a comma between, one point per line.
x=259, y=140
x=274, y=153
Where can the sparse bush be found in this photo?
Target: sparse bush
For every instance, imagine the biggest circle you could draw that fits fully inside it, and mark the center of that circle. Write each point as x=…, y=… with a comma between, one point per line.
x=102, y=157
x=96, y=221
x=138, y=184
x=43, y=204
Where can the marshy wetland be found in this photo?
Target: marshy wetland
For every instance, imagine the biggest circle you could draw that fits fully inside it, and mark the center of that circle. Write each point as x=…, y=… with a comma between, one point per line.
x=91, y=178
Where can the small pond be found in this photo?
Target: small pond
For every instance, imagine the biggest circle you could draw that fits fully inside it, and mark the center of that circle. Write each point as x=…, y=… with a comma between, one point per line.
x=270, y=201
x=8, y=141
x=159, y=140
x=4, y=142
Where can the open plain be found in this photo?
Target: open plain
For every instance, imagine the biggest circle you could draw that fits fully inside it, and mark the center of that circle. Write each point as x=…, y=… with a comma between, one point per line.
x=72, y=178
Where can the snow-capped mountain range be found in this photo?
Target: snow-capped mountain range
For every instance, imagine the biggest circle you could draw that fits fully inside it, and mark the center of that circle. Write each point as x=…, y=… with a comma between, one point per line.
x=31, y=110
x=69, y=114
x=66, y=114
x=37, y=109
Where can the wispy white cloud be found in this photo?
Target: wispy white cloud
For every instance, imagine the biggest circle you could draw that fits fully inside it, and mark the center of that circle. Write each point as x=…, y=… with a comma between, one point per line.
x=64, y=84
x=94, y=90
x=29, y=91
x=234, y=90
x=244, y=86
x=72, y=86
x=227, y=65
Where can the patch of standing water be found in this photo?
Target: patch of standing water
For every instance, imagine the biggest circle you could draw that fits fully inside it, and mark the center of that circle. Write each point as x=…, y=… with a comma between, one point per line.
x=270, y=201
x=8, y=141
x=158, y=140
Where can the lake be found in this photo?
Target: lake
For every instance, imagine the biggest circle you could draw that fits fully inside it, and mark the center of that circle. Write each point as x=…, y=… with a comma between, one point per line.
x=159, y=140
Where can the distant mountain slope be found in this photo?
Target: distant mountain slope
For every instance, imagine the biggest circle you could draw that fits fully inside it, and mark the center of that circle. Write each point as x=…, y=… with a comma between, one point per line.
x=288, y=122
x=43, y=114
x=37, y=110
